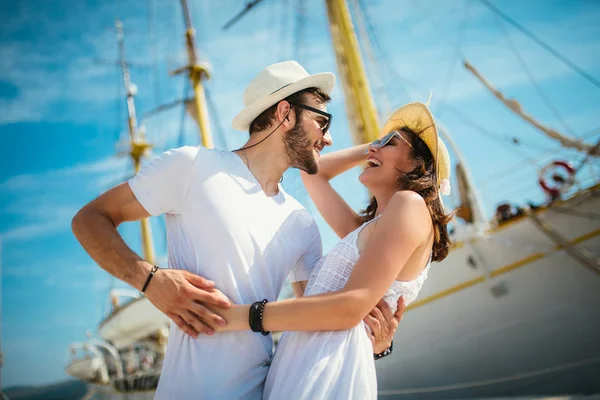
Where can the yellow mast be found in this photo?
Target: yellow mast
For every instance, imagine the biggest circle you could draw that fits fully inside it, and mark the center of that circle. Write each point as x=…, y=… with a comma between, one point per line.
x=196, y=73
x=139, y=147
x=360, y=106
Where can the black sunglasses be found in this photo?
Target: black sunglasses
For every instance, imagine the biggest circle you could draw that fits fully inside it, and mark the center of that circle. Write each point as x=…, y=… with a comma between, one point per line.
x=320, y=112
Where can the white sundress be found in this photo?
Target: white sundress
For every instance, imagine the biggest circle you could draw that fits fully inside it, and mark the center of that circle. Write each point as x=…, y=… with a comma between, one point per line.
x=332, y=364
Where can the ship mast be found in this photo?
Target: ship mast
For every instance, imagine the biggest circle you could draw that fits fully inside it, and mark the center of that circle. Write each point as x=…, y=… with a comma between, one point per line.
x=360, y=107
x=138, y=145
x=196, y=73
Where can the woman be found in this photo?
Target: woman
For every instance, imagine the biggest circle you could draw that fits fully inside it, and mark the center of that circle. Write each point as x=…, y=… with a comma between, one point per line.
x=385, y=252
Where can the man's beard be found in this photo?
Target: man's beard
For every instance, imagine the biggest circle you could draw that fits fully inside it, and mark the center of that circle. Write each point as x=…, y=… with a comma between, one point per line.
x=299, y=150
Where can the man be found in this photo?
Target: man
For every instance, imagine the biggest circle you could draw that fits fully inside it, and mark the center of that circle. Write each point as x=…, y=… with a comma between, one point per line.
x=228, y=222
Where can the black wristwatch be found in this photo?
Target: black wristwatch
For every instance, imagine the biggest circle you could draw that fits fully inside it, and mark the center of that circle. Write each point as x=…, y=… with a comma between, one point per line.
x=384, y=353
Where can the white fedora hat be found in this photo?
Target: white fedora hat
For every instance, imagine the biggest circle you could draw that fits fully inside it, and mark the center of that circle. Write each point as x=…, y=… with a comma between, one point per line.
x=275, y=83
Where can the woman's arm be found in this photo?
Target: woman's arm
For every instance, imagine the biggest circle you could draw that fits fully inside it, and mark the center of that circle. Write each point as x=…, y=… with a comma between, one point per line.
x=338, y=214
x=403, y=226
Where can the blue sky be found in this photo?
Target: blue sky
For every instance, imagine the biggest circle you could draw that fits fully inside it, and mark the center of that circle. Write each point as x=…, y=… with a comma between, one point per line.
x=62, y=120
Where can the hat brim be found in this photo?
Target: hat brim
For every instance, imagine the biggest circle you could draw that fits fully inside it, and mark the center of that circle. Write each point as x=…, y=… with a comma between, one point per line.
x=417, y=117
x=324, y=81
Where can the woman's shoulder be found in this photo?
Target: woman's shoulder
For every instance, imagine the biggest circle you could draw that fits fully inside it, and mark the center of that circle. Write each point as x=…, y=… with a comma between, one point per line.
x=405, y=201
x=408, y=209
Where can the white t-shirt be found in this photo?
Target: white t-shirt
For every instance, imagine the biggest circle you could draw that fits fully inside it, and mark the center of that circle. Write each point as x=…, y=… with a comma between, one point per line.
x=222, y=226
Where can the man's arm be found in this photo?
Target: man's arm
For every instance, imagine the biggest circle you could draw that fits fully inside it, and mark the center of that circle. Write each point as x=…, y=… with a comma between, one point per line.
x=174, y=292
x=306, y=263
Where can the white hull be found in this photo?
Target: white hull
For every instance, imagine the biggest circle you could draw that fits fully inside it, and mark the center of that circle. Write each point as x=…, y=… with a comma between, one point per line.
x=541, y=337
x=88, y=369
x=133, y=321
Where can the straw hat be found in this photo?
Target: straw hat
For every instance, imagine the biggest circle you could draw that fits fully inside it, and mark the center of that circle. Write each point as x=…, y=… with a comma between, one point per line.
x=275, y=83
x=417, y=117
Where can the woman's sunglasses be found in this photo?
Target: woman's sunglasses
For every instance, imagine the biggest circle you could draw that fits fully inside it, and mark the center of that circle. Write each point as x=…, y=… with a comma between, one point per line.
x=379, y=143
x=329, y=117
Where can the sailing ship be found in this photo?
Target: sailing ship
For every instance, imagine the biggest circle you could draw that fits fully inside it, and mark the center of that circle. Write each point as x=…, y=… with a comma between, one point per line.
x=511, y=311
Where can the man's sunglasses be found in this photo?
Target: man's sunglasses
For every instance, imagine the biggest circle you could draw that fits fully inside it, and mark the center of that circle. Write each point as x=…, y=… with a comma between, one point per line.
x=329, y=117
x=379, y=143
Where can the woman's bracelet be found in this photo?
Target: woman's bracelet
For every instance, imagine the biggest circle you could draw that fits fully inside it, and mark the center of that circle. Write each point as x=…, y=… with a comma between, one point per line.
x=385, y=353
x=255, y=317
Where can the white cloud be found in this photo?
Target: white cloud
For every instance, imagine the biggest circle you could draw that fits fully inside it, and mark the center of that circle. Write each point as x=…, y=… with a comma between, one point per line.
x=66, y=71
x=42, y=220
x=29, y=231
x=47, y=212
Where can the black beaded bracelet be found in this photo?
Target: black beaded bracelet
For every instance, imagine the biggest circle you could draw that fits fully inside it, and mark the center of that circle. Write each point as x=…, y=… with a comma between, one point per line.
x=384, y=353
x=152, y=271
x=255, y=317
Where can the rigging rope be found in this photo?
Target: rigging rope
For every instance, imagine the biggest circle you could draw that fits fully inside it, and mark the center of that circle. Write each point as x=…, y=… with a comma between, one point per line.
x=515, y=107
x=487, y=132
x=240, y=14
x=543, y=44
x=456, y=53
x=181, y=134
x=119, y=112
x=515, y=167
x=532, y=80
x=298, y=37
x=479, y=128
x=405, y=83
x=380, y=49
x=283, y=30
x=153, y=72
x=587, y=157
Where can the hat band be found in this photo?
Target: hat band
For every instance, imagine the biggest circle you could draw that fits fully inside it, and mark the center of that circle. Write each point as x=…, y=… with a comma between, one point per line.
x=283, y=87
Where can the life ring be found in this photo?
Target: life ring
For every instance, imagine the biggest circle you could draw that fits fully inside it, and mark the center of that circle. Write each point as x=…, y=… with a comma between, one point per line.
x=562, y=185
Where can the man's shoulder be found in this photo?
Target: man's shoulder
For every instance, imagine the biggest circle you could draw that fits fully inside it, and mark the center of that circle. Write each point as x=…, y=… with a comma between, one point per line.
x=293, y=203
x=202, y=156
x=197, y=151
x=302, y=217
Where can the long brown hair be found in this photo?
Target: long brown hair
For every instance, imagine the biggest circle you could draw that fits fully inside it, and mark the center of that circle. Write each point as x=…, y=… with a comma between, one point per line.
x=422, y=180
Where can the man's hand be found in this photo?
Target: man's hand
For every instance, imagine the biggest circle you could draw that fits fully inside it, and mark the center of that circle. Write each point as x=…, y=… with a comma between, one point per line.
x=178, y=294
x=383, y=325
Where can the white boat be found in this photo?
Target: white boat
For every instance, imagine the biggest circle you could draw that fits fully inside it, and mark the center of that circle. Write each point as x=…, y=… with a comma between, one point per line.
x=90, y=367
x=134, y=320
